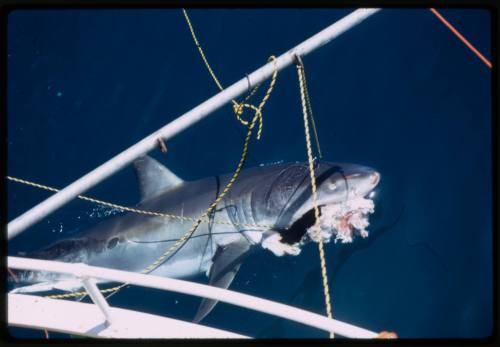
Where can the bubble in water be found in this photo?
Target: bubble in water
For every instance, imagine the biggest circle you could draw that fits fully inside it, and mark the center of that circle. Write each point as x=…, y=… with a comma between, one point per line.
x=103, y=211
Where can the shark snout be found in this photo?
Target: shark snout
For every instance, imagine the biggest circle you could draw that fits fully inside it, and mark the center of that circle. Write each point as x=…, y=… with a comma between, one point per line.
x=367, y=183
x=362, y=180
x=374, y=178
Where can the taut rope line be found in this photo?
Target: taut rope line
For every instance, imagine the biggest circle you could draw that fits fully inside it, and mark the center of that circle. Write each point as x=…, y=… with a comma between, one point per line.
x=237, y=107
x=304, y=96
x=131, y=209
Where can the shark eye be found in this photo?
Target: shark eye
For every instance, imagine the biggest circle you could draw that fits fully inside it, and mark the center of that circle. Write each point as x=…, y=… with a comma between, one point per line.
x=113, y=242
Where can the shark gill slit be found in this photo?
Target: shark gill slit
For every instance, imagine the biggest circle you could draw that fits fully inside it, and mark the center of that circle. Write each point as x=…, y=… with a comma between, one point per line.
x=285, y=218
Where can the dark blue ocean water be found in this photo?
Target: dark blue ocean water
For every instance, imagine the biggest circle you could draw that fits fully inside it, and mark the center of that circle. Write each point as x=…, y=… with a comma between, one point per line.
x=399, y=93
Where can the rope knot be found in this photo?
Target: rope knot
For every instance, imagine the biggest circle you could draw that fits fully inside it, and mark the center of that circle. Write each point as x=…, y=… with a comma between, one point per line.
x=238, y=107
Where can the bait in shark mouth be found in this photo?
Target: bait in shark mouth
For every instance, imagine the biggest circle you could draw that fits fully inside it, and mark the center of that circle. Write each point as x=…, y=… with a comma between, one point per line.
x=268, y=207
x=344, y=220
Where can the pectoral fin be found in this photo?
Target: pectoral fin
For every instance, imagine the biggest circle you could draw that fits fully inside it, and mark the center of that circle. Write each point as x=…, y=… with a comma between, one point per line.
x=226, y=263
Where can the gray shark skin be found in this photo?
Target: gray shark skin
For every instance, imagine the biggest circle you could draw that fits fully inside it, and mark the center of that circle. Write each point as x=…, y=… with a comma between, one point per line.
x=277, y=197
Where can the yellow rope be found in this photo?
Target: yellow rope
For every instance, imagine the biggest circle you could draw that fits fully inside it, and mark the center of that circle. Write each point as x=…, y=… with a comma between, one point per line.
x=134, y=210
x=197, y=43
x=304, y=97
x=309, y=108
x=238, y=108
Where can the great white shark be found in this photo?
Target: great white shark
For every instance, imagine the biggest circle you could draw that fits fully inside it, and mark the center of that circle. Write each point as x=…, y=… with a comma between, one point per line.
x=268, y=207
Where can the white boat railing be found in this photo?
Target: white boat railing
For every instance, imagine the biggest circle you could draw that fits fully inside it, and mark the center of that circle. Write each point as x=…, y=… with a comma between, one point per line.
x=82, y=319
x=88, y=274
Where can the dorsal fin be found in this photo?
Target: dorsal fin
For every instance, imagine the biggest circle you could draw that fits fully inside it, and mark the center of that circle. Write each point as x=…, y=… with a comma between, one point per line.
x=153, y=177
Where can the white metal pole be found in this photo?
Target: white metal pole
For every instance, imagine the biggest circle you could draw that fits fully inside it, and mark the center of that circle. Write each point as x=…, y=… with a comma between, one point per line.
x=197, y=289
x=86, y=182
x=97, y=298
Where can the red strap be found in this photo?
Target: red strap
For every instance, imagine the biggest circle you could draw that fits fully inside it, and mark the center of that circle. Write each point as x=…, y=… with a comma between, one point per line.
x=463, y=39
x=387, y=335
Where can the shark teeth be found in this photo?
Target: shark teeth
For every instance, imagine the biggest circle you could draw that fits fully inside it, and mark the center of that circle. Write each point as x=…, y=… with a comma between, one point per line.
x=343, y=220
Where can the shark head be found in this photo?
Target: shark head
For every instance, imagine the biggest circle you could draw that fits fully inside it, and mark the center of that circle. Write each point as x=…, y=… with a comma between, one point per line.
x=343, y=195
x=337, y=183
